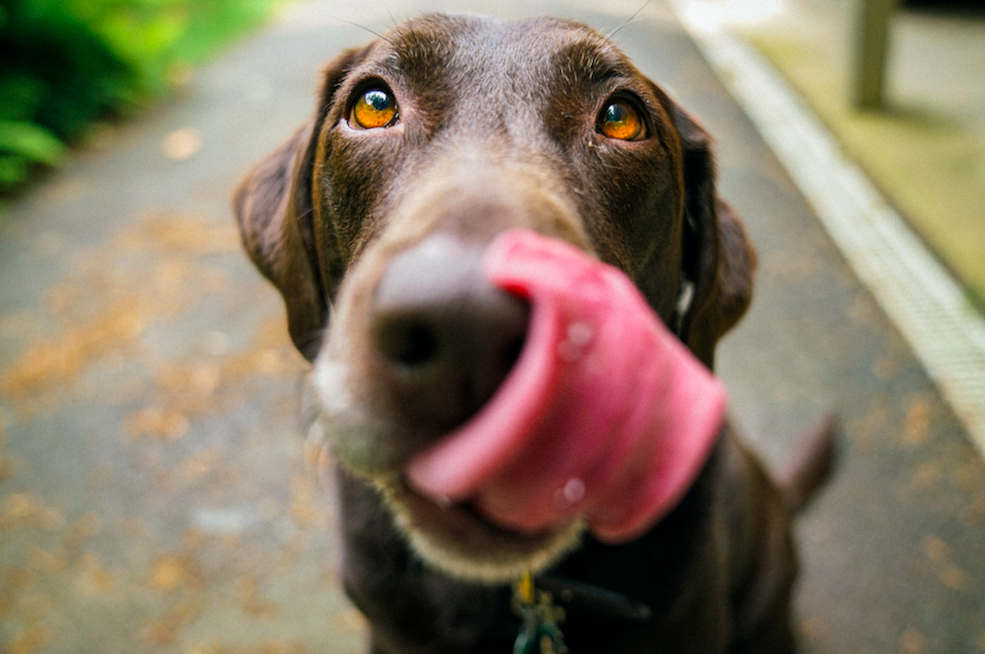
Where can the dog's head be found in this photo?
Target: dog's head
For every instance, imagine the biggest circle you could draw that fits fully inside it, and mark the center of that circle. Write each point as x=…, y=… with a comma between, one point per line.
x=426, y=144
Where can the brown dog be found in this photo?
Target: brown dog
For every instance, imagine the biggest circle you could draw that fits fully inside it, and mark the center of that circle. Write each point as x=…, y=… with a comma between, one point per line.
x=425, y=145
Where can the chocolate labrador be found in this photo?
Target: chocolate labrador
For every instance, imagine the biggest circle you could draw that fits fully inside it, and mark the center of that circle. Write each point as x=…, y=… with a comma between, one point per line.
x=371, y=220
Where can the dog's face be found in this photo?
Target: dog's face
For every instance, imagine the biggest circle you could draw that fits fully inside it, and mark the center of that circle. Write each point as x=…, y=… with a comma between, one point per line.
x=372, y=219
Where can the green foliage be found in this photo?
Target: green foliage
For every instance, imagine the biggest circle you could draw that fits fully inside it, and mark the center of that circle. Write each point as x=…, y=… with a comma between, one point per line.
x=157, y=37
x=67, y=63
x=23, y=143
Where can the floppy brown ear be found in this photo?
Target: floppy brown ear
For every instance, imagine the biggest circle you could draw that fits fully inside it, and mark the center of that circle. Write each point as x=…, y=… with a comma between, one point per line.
x=718, y=259
x=277, y=214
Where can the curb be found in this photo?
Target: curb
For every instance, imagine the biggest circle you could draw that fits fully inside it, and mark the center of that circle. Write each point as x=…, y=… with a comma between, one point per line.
x=916, y=292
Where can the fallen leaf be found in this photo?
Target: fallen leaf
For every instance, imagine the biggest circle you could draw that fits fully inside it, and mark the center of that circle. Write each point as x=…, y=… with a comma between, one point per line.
x=305, y=510
x=15, y=579
x=949, y=574
x=284, y=647
x=976, y=512
x=94, y=577
x=252, y=603
x=62, y=359
x=935, y=549
x=23, y=509
x=6, y=467
x=917, y=421
x=199, y=464
x=181, y=144
x=954, y=577
x=913, y=642
x=169, y=573
x=163, y=630
x=82, y=530
x=157, y=422
x=349, y=620
x=31, y=640
x=45, y=561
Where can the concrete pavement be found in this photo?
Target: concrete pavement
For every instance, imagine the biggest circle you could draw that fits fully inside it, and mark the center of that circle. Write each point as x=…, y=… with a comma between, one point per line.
x=153, y=496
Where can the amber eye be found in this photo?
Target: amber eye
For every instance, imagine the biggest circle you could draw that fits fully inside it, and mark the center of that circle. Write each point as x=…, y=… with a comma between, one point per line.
x=620, y=120
x=375, y=108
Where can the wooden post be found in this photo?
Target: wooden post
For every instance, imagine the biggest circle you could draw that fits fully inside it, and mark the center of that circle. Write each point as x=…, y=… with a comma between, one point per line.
x=870, y=46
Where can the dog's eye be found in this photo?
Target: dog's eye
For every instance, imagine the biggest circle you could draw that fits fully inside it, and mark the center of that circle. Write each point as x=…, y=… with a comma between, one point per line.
x=620, y=120
x=374, y=108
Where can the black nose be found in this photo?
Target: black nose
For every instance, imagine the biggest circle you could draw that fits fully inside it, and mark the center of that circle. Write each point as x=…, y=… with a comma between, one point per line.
x=446, y=337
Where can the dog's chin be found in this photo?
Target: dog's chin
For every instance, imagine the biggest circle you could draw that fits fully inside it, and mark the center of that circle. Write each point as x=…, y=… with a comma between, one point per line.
x=457, y=540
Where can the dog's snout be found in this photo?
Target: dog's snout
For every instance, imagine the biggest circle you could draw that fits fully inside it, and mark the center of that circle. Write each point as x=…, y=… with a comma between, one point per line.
x=410, y=340
x=445, y=337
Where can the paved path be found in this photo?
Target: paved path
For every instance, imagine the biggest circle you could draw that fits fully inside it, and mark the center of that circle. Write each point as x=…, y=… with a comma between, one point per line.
x=153, y=496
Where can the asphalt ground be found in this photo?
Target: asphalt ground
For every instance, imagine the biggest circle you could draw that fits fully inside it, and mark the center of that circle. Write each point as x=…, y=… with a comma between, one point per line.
x=153, y=490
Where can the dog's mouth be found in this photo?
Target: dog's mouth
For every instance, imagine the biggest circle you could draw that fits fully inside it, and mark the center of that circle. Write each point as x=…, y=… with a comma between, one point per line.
x=603, y=423
x=456, y=537
x=606, y=416
x=459, y=539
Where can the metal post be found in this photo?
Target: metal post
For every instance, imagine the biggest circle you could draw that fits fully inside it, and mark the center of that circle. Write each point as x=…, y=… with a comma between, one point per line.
x=869, y=61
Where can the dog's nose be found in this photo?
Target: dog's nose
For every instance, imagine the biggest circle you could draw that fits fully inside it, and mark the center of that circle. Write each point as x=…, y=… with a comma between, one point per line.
x=445, y=336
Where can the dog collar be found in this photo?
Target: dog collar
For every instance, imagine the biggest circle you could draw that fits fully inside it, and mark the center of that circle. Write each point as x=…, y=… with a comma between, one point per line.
x=540, y=632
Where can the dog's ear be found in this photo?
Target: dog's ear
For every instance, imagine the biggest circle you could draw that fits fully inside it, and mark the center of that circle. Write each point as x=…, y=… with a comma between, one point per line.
x=278, y=215
x=718, y=259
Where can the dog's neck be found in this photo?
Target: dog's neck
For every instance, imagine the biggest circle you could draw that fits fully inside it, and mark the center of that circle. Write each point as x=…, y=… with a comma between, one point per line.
x=594, y=598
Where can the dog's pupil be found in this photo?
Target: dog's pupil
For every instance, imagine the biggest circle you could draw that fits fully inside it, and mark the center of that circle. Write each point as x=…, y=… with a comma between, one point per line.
x=378, y=100
x=616, y=113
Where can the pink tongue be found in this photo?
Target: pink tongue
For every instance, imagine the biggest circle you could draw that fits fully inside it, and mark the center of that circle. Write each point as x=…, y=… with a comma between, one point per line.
x=606, y=415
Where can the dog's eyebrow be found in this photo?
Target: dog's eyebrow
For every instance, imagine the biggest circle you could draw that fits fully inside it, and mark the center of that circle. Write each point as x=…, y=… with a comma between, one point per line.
x=420, y=53
x=587, y=62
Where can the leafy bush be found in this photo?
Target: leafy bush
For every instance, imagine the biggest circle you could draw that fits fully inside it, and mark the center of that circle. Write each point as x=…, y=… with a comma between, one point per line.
x=66, y=63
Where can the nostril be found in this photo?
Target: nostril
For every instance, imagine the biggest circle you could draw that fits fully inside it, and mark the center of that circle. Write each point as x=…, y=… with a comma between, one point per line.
x=408, y=341
x=510, y=352
x=444, y=338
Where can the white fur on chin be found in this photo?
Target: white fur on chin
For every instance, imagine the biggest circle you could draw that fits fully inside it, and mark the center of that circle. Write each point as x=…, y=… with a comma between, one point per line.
x=496, y=562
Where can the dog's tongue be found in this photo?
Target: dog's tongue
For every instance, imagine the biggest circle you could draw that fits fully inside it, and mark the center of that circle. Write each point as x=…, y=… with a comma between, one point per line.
x=606, y=416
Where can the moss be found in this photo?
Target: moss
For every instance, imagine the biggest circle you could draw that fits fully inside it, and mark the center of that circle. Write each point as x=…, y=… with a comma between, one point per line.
x=929, y=166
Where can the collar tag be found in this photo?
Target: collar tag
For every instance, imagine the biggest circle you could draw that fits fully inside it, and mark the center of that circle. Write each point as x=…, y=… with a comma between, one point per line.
x=539, y=632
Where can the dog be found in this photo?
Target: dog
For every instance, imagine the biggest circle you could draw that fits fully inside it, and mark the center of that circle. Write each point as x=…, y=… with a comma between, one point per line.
x=426, y=145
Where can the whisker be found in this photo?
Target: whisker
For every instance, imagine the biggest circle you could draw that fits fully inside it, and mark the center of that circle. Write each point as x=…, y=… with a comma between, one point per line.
x=630, y=20
x=366, y=29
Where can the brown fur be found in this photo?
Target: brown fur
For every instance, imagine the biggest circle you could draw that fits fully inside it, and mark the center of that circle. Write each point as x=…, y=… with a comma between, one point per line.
x=497, y=130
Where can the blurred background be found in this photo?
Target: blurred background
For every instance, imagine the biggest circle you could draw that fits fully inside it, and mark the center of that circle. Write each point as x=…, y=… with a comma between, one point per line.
x=154, y=495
